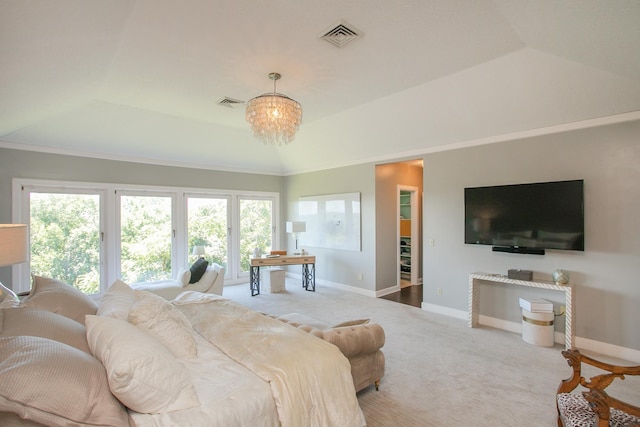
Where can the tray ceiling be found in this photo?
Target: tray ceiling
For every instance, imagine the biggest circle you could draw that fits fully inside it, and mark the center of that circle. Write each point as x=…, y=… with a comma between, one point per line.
x=142, y=80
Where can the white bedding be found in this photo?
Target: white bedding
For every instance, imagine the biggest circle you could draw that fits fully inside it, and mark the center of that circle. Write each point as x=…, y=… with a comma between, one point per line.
x=229, y=394
x=309, y=379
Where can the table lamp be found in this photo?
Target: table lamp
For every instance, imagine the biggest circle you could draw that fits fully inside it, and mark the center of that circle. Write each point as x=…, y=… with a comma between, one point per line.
x=14, y=244
x=295, y=228
x=198, y=251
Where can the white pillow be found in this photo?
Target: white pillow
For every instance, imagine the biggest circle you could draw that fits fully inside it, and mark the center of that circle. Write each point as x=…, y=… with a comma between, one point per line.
x=184, y=275
x=54, y=384
x=25, y=321
x=166, y=323
x=117, y=301
x=8, y=298
x=56, y=296
x=209, y=276
x=142, y=373
x=351, y=323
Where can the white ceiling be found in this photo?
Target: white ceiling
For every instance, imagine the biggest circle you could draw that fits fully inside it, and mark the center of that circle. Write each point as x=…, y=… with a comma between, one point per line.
x=141, y=79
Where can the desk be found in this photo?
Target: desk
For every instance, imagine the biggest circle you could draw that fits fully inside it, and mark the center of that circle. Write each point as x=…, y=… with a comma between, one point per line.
x=568, y=290
x=308, y=270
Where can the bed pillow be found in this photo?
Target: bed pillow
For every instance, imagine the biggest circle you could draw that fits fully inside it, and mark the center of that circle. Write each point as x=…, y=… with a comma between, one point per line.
x=53, y=295
x=197, y=270
x=55, y=384
x=8, y=298
x=142, y=373
x=9, y=419
x=351, y=323
x=209, y=276
x=166, y=323
x=184, y=276
x=117, y=301
x=44, y=324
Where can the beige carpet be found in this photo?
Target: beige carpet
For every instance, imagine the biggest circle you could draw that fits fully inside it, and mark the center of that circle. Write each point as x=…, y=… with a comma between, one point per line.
x=439, y=372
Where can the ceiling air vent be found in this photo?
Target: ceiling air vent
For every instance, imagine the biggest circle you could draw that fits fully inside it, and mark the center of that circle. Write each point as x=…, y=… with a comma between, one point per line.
x=341, y=34
x=230, y=102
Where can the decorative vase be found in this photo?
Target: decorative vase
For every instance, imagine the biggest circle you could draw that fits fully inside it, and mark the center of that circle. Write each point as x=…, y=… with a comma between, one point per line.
x=561, y=277
x=257, y=253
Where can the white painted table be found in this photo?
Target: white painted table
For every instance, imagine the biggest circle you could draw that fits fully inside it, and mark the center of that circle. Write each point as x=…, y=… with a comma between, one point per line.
x=568, y=289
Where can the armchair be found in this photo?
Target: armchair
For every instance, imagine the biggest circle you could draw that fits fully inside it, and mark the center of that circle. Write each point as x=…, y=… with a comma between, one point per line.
x=594, y=407
x=211, y=282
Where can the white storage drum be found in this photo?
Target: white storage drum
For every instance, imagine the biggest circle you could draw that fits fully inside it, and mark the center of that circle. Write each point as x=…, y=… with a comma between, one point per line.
x=537, y=328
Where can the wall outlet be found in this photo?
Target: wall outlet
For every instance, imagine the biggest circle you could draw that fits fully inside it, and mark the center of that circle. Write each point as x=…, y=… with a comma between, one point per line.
x=439, y=291
x=360, y=276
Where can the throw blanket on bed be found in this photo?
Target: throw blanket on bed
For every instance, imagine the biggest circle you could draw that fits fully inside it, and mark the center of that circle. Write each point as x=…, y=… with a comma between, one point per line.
x=310, y=379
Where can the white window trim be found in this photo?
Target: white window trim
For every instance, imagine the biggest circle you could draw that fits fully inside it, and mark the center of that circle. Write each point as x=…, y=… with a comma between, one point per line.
x=274, y=234
x=108, y=222
x=230, y=243
x=177, y=217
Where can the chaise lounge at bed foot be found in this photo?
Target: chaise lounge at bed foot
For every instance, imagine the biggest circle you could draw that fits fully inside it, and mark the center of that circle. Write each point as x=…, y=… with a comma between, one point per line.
x=359, y=340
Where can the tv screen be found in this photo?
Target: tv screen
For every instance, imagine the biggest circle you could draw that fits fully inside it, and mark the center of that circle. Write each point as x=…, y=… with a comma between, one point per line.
x=547, y=215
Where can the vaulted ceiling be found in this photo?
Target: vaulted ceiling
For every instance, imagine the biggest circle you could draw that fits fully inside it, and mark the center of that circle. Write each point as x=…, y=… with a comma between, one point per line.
x=142, y=79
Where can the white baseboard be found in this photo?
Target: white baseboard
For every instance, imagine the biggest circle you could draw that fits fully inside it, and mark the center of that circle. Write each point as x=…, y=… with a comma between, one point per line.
x=387, y=291
x=446, y=311
x=608, y=349
x=599, y=347
x=341, y=286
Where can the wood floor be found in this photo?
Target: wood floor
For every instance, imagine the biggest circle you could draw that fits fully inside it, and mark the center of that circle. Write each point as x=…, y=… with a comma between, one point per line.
x=411, y=295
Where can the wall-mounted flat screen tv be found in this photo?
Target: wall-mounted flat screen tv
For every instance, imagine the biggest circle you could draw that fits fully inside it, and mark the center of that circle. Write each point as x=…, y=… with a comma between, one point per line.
x=545, y=215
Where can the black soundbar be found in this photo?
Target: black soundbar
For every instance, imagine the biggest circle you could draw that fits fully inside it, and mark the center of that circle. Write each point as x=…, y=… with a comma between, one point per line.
x=518, y=250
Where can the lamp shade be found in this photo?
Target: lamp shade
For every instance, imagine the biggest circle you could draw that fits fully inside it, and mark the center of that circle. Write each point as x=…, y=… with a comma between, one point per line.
x=296, y=227
x=14, y=244
x=198, y=250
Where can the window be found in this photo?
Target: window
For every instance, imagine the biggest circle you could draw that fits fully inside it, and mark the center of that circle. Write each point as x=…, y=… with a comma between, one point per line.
x=257, y=228
x=208, y=226
x=65, y=239
x=145, y=238
x=89, y=235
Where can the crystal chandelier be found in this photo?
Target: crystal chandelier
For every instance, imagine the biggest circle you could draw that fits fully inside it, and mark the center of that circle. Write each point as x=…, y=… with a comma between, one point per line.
x=273, y=117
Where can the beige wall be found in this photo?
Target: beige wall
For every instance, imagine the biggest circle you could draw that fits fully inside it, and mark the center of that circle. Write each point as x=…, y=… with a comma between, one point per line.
x=606, y=274
x=339, y=266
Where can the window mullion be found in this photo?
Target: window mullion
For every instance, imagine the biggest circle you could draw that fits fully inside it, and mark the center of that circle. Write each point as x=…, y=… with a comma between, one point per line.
x=110, y=222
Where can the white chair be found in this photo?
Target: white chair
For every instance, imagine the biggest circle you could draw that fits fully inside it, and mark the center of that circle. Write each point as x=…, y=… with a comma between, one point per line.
x=212, y=282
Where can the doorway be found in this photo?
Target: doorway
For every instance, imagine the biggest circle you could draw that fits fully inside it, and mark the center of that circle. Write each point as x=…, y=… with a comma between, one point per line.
x=408, y=235
x=391, y=179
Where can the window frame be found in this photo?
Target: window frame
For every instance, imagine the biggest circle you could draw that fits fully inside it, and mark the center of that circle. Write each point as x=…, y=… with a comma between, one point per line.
x=22, y=214
x=274, y=221
x=230, y=244
x=118, y=226
x=109, y=220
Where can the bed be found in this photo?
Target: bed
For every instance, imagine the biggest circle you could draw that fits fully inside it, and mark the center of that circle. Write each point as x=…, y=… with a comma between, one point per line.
x=199, y=360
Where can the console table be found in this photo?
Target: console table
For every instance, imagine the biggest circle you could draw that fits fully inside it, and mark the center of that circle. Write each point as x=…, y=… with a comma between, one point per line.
x=308, y=270
x=568, y=290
